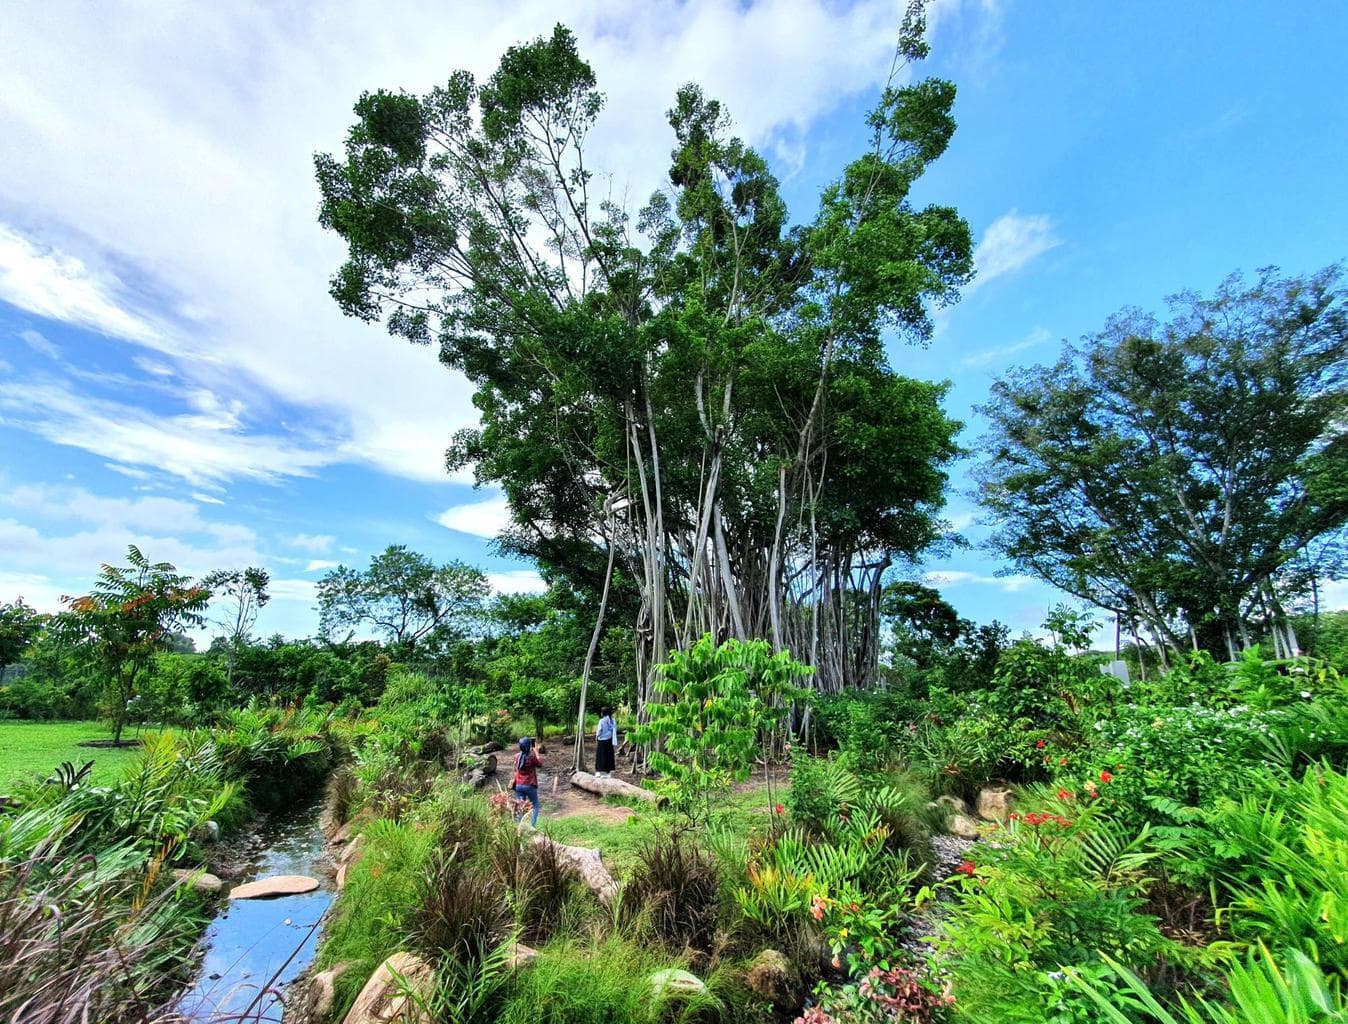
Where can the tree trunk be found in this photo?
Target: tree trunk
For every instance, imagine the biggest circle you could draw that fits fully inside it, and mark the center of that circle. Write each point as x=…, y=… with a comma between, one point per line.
x=614, y=787
x=579, y=764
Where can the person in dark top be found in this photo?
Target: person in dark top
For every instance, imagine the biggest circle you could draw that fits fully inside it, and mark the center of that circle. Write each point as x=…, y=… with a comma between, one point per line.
x=605, y=736
x=527, y=763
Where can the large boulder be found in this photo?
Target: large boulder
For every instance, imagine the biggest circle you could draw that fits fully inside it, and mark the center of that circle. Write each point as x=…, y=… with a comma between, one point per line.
x=771, y=978
x=323, y=991
x=201, y=880
x=963, y=826
x=394, y=993
x=673, y=983
x=954, y=804
x=996, y=803
x=521, y=956
x=276, y=885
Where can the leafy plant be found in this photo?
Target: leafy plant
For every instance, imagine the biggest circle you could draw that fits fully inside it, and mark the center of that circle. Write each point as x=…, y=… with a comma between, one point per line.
x=717, y=702
x=672, y=893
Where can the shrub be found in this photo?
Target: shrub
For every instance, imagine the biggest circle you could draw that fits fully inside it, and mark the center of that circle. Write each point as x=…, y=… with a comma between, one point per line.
x=581, y=982
x=459, y=913
x=672, y=892
x=541, y=886
x=870, y=728
x=1047, y=897
x=819, y=787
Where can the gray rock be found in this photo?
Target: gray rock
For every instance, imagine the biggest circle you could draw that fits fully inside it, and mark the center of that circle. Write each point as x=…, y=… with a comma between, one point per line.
x=996, y=803
x=955, y=803
x=674, y=983
x=963, y=826
x=201, y=880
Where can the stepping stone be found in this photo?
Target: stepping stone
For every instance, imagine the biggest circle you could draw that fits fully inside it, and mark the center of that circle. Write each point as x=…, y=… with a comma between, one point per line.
x=277, y=885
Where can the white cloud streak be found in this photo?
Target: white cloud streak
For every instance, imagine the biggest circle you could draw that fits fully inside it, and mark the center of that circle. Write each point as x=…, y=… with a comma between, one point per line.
x=960, y=577
x=480, y=518
x=1011, y=242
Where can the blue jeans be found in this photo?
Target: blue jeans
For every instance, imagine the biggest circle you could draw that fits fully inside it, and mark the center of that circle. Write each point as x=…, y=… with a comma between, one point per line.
x=529, y=793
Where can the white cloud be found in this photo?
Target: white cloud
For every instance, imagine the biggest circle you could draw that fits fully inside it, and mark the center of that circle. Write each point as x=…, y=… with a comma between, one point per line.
x=202, y=121
x=480, y=518
x=1009, y=243
x=206, y=499
x=40, y=344
x=960, y=577
x=1333, y=595
x=320, y=565
x=206, y=446
x=318, y=543
x=516, y=581
x=993, y=356
x=58, y=286
x=292, y=590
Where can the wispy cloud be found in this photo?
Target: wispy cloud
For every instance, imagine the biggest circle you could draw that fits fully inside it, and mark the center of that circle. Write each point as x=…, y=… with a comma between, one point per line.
x=40, y=344
x=1010, y=242
x=479, y=518
x=320, y=565
x=517, y=581
x=59, y=286
x=317, y=543
x=204, y=447
x=960, y=577
x=993, y=356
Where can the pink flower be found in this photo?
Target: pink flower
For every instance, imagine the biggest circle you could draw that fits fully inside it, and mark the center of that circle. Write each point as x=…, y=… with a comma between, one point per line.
x=817, y=908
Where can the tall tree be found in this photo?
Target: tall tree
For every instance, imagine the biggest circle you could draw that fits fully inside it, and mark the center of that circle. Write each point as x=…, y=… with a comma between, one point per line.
x=20, y=625
x=238, y=595
x=131, y=613
x=701, y=391
x=1176, y=472
x=402, y=595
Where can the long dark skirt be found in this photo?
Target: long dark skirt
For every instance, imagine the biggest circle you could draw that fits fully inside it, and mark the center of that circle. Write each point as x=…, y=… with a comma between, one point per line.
x=603, y=757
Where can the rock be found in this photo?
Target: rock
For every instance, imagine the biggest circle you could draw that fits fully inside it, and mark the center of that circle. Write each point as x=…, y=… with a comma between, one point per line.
x=208, y=832
x=771, y=978
x=955, y=803
x=276, y=885
x=521, y=956
x=340, y=878
x=383, y=1000
x=994, y=804
x=963, y=826
x=673, y=983
x=352, y=851
x=323, y=990
x=342, y=835
x=200, y=879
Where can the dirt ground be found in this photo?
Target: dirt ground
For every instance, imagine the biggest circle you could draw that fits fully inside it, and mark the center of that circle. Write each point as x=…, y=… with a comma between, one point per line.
x=559, y=799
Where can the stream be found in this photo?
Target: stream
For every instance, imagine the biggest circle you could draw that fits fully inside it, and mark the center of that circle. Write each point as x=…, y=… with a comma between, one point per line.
x=250, y=941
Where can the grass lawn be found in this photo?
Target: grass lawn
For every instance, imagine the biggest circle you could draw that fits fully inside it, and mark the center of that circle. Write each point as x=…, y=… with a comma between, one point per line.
x=743, y=812
x=38, y=748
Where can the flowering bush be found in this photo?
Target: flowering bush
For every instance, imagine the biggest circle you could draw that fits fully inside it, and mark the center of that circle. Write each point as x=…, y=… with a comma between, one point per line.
x=894, y=996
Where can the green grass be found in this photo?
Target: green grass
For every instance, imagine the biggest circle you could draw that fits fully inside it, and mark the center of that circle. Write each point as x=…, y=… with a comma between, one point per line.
x=29, y=749
x=741, y=813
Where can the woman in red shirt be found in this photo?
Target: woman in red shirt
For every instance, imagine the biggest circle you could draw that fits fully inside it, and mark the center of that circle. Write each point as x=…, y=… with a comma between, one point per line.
x=527, y=763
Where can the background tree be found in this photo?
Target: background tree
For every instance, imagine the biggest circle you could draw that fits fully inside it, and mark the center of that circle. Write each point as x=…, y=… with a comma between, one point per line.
x=131, y=614
x=402, y=595
x=20, y=626
x=237, y=595
x=701, y=389
x=1176, y=472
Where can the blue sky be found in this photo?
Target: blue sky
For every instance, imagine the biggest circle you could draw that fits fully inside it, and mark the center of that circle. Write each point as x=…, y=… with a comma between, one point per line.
x=172, y=372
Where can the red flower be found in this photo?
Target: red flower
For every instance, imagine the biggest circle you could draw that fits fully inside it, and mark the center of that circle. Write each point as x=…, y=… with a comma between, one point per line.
x=780, y=809
x=1042, y=744
x=967, y=867
x=1106, y=776
x=1064, y=794
x=1063, y=762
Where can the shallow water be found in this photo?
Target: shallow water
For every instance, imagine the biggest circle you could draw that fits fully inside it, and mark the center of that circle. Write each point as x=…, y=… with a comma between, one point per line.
x=254, y=948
